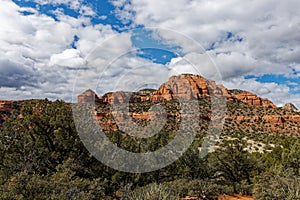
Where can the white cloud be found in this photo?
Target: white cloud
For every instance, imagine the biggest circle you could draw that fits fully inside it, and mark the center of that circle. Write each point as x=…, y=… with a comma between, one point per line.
x=265, y=38
x=102, y=17
x=69, y=57
x=269, y=28
x=113, y=65
x=34, y=36
x=73, y=4
x=213, y=66
x=86, y=11
x=38, y=48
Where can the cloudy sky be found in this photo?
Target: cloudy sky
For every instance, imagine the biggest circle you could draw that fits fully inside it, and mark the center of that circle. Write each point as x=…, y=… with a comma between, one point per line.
x=59, y=48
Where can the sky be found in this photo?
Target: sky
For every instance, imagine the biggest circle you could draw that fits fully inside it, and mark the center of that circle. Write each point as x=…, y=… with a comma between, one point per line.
x=57, y=49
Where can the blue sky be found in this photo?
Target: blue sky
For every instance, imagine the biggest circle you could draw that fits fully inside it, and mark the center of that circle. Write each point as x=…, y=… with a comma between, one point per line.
x=292, y=82
x=252, y=47
x=102, y=8
x=149, y=48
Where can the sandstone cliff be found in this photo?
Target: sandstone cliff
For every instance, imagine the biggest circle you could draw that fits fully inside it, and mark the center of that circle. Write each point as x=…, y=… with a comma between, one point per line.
x=246, y=110
x=88, y=96
x=184, y=86
x=290, y=107
x=254, y=100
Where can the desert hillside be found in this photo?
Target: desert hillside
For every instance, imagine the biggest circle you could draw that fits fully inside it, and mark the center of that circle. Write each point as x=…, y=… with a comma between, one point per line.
x=256, y=156
x=245, y=111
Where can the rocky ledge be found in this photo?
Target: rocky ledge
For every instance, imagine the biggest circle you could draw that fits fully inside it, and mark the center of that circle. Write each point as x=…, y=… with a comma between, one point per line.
x=185, y=86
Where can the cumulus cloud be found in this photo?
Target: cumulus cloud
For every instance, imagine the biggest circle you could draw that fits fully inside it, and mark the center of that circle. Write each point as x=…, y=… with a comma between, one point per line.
x=114, y=65
x=268, y=28
x=34, y=36
x=221, y=40
x=14, y=74
x=218, y=67
x=249, y=37
x=36, y=54
x=69, y=57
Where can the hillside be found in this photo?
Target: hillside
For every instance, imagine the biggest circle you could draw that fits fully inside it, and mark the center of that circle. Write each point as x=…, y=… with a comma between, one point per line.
x=43, y=156
x=245, y=111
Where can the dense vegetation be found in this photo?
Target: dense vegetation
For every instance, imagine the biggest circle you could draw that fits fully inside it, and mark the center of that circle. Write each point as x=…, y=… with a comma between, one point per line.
x=42, y=157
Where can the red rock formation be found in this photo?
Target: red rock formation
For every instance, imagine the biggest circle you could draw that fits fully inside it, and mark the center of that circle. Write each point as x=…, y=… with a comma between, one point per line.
x=184, y=86
x=292, y=118
x=187, y=87
x=290, y=107
x=243, y=118
x=88, y=96
x=163, y=93
x=116, y=97
x=254, y=100
x=273, y=119
x=122, y=97
x=6, y=106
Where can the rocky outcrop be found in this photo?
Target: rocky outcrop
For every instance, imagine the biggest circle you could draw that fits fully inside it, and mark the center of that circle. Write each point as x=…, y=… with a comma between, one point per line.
x=116, y=97
x=273, y=119
x=89, y=96
x=292, y=118
x=253, y=100
x=185, y=86
x=163, y=93
x=123, y=97
x=290, y=107
x=190, y=87
x=241, y=118
x=6, y=106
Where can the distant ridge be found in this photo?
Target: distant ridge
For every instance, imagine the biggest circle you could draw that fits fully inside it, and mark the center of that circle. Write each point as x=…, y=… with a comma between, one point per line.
x=197, y=87
x=290, y=107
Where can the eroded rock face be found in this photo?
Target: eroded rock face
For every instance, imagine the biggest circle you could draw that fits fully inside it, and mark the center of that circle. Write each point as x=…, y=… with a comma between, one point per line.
x=116, y=97
x=6, y=106
x=254, y=100
x=241, y=118
x=274, y=119
x=190, y=87
x=88, y=96
x=123, y=97
x=292, y=118
x=185, y=86
x=163, y=93
x=290, y=107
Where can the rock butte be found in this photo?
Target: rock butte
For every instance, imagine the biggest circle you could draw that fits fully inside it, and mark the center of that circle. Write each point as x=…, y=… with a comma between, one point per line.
x=190, y=87
x=185, y=86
